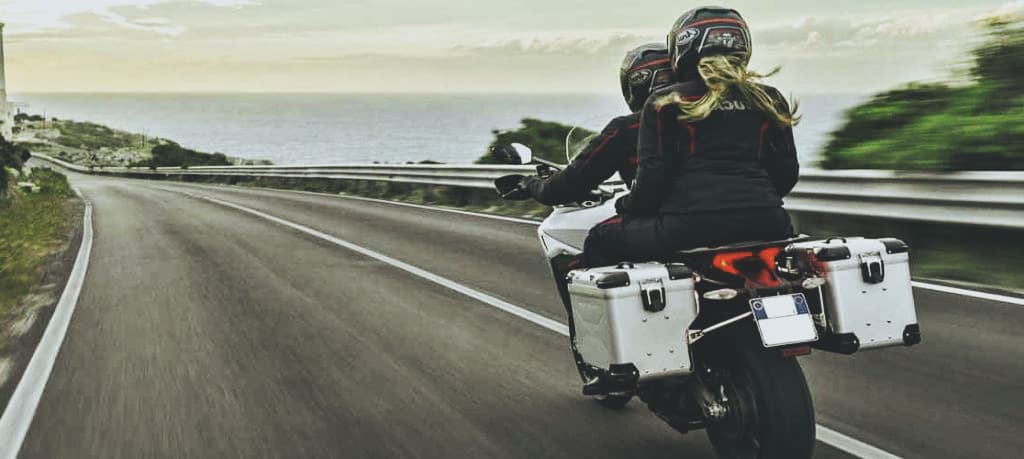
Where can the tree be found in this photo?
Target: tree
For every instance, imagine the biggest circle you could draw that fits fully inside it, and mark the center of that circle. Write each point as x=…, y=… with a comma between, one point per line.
x=1000, y=59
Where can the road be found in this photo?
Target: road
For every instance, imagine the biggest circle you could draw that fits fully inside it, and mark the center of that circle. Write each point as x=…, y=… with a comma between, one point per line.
x=206, y=331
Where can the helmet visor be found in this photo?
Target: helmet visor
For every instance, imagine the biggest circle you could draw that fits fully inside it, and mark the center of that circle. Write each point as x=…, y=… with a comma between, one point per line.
x=724, y=39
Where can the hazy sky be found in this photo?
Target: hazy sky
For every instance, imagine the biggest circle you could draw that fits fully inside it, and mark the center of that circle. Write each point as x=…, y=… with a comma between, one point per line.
x=458, y=45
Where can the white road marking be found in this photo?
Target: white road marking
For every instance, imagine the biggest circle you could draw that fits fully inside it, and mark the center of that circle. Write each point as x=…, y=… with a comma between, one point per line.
x=851, y=445
x=440, y=209
x=382, y=201
x=922, y=285
x=970, y=293
x=538, y=319
x=825, y=435
x=21, y=409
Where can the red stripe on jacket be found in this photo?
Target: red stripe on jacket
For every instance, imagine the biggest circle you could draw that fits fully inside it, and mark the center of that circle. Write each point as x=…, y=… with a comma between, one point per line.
x=601, y=146
x=760, y=141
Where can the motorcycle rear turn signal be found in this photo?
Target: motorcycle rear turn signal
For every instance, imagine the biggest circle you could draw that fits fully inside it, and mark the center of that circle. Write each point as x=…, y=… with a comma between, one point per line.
x=812, y=283
x=721, y=294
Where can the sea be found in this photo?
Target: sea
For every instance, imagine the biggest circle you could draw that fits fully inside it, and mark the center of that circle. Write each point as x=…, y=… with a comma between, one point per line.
x=320, y=129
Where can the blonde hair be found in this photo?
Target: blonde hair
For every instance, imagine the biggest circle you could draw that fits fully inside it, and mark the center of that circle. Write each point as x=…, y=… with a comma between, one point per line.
x=728, y=76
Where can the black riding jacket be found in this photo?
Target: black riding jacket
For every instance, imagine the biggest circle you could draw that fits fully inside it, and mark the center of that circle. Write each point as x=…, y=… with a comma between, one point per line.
x=613, y=150
x=736, y=158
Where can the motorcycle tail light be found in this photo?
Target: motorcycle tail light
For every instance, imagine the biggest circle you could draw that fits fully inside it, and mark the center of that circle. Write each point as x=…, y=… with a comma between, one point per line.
x=758, y=268
x=768, y=256
x=726, y=261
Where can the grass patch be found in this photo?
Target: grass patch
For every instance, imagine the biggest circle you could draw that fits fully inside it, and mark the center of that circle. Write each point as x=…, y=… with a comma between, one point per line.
x=32, y=226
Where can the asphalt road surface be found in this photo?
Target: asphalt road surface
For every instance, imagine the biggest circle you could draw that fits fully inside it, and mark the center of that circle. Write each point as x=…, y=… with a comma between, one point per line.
x=205, y=331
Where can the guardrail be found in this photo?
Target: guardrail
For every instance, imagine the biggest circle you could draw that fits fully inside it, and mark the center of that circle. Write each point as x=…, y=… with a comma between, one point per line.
x=993, y=199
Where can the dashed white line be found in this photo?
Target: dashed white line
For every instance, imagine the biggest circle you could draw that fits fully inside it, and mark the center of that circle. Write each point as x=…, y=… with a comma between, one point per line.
x=21, y=409
x=825, y=435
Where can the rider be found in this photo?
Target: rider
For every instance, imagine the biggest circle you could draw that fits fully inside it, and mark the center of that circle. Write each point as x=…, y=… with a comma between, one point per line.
x=716, y=151
x=644, y=69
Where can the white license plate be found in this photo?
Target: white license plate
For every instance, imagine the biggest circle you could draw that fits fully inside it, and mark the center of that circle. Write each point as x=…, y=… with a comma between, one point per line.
x=783, y=320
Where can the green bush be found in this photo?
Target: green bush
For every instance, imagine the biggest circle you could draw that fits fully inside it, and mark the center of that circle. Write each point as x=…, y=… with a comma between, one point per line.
x=545, y=138
x=944, y=128
x=174, y=155
x=13, y=157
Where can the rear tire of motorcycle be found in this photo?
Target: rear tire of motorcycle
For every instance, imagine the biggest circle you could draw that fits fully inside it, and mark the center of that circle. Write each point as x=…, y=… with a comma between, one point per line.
x=613, y=401
x=782, y=418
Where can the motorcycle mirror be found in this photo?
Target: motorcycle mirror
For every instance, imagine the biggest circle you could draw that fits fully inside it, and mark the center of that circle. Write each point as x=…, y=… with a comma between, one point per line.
x=515, y=153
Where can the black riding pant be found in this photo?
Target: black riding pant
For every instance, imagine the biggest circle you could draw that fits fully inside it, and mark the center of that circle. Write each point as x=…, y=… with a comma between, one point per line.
x=651, y=238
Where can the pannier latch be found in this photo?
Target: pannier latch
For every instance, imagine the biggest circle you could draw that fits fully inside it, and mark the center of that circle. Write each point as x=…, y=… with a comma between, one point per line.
x=652, y=293
x=872, y=268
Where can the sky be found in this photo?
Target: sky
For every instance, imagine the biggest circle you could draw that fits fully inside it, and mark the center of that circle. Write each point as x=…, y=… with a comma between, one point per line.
x=521, y=46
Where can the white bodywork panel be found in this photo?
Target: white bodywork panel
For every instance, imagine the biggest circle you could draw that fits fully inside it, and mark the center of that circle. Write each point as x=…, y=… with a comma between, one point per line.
x=564, y=231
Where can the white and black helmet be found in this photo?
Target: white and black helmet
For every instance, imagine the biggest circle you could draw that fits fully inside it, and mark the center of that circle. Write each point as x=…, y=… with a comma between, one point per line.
x=705, y=31
x=644, y=69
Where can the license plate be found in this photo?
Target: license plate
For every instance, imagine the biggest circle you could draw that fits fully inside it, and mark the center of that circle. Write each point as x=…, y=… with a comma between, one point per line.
x=783, y=320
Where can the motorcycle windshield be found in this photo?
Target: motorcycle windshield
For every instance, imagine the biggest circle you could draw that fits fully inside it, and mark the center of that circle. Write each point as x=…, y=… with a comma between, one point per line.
x=576, y=140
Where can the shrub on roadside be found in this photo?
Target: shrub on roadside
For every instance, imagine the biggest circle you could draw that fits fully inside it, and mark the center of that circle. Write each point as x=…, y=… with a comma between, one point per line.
x=940, y=127
x=545, y=138
x=174, y=155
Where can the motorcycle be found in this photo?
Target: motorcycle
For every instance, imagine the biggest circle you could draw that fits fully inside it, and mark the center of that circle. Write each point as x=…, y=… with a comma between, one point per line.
x=745, y=390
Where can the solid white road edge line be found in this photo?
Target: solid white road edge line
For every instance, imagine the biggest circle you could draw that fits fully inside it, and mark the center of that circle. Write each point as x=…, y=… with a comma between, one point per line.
x=825, y=435
x=21, y=409
x=922, y=285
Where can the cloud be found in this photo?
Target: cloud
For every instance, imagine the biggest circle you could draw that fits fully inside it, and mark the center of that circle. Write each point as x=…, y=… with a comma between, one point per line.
x=373, y=44
x=590, y=43
x=27, y=16
x=864, y=32
x=159, y=26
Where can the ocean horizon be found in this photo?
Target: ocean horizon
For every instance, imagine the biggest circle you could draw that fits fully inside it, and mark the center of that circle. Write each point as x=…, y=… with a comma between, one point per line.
x=341, y=128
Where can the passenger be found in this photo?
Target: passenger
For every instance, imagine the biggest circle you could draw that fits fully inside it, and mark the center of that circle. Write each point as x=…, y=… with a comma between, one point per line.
x=716, y=152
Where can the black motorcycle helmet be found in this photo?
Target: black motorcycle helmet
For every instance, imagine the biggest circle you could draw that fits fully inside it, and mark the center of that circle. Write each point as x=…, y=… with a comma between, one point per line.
x=705, y=31
x=644, y=69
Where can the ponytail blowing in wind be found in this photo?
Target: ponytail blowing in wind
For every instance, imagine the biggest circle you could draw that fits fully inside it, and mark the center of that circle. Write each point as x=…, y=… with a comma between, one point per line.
x=727, y=76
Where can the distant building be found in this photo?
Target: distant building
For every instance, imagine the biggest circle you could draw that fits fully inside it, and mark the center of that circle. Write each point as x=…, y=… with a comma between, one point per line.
x=6, y=108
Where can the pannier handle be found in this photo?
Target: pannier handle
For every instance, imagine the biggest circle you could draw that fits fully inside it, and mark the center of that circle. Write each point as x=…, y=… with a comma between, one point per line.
x=625, y=265
x=829, y=240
